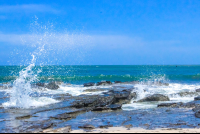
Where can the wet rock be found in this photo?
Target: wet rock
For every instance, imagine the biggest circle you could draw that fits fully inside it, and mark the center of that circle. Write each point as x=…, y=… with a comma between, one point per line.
x=92, y=101
x=123, y=96
x=198, y=90
x=47, y=125
x=186, y=94
x=103, y=83
x=87, y=126
x=117, y=81
x=105, y=126
x=94, y=90
x=115, y=106
x=197, y=98
x=128, y=126
x=52, y=86
x=155, y=97
x=197, y=114
x=110, y=107
x=40, y=84
x=89, y=84
x=167, y=105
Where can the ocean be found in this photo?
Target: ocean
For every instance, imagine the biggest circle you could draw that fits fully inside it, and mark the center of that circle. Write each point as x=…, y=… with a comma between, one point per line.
x=16, y=82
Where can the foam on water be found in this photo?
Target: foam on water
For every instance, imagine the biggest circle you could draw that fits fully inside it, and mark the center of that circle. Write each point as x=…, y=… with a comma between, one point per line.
x=144, y=90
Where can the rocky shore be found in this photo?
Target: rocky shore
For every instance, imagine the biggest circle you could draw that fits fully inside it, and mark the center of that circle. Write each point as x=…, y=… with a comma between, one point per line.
x=100, y=111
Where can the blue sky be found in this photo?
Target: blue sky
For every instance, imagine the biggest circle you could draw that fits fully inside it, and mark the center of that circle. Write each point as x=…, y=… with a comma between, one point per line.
x=100, y=32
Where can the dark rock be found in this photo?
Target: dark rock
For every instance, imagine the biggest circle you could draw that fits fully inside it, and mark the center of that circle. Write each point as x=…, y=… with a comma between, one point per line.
x=186, y=94
x=198, y=90
x=92, y=101
x=129, y=126
x=118, y=82
x=87, y=126
x=103, y=83
x=40, y=84
x=197, y=98
x=155, y=97
x=197, y=114
x=94, y=90
x=115, y=106
x=123, y=96
x=105, y=126
x=52, y=86
x=88, y=84
x=48, y=125
x=110, y=107
x=167, y=105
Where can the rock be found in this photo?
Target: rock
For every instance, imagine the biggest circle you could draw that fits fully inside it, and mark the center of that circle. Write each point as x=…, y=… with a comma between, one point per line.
x=117, y=81
x=45, y=126
x=40, y=84
x=110, y=107
x=197, y=114
x=103, y=83
x=197, y=98
x=88, y=84
x=167, y=105
x=186, y=94
x=155, y=97
x=92, y=101
x=129, y=126
x=198, y=90
x=123, y=96
x=52, y=86
x=105, y=126
x=115, y=106
x=87, y=126
x=94, y=90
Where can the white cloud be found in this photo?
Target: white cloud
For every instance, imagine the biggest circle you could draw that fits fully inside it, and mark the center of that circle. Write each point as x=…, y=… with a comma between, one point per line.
x=27, y=8
x=72, y=40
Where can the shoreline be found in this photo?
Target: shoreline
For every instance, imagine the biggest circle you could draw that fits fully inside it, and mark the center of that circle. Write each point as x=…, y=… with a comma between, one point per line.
x=122, y=129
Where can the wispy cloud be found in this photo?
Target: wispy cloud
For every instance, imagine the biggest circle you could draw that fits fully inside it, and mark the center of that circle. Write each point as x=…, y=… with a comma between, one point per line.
x=27, y=8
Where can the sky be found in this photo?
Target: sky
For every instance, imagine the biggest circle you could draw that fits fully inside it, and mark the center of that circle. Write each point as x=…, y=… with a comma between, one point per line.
x=100, y=32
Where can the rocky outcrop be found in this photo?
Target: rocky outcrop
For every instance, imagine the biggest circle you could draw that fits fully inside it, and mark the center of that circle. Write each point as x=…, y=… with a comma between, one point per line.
x=155, y=97
x=89, y=84
x=104, y=83
x=87, y=126
x=186, y=94
x=95, y=90
x=198, y=90
x=52, y=86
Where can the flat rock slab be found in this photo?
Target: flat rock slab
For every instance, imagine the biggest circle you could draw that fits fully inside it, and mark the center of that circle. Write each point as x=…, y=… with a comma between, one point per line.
x=155, y=97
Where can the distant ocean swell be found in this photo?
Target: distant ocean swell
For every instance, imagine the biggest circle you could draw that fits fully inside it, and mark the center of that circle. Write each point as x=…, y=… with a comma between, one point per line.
x=78, y=79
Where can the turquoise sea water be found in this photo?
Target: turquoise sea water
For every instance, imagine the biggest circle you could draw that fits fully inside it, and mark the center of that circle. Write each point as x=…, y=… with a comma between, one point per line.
x=82, y=74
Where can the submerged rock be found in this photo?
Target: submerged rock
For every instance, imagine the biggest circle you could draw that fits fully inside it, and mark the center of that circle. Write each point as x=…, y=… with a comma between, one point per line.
x=155, y=97
x=52, y=86
x=89, y=84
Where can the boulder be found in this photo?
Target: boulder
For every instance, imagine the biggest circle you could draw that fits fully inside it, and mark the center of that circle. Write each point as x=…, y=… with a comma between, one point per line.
x=186, y=94
x=89, y=84
x=167, y=105
x=40, y=84
x=155, y=97
x=94, y=90
x=197, y=98
x=103, y=83
x=117, y=81
x=198, y=90
x=87, y=126
x=52, y=86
